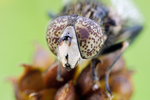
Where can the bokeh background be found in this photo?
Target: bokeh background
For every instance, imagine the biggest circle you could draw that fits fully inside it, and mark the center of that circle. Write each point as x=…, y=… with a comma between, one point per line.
x=23, y=22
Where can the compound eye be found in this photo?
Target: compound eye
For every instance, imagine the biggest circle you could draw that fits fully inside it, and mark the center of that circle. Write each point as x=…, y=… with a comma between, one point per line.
x=90, y=37
x=54, y=31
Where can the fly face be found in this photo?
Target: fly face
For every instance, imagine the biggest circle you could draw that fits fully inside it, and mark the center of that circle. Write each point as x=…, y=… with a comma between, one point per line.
x=72, y=38
x=68, y=51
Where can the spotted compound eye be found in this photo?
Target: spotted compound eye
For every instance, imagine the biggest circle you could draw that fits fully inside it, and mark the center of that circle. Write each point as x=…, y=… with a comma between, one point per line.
x=54, y=32
x=90, y=37
x=89, y=34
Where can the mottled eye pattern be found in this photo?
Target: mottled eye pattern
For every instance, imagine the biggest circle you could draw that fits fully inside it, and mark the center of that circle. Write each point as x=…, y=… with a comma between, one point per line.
x=54, y=32
x=90, y=37
x=89, y=34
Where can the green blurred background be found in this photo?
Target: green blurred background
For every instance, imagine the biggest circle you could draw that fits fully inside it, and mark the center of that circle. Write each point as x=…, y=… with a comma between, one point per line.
x=22, y=22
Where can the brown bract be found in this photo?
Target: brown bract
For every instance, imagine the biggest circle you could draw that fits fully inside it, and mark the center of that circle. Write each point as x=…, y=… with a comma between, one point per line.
x=26, y=82
x=97, y=95
x=122, y=86
x=67, y=92
x=45, y=94
x=42, y=58
x=49, y=78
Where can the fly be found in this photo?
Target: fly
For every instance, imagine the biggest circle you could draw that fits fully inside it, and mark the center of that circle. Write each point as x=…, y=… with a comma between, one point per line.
x=87, y=29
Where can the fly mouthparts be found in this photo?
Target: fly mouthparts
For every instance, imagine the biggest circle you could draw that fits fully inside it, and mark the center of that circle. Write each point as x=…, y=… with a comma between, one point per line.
x=68, y=67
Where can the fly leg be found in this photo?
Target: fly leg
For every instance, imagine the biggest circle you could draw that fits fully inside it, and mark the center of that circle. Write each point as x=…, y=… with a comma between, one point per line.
x=124, y=46
x=59, y=78
x=128, y=35
x=94, y=74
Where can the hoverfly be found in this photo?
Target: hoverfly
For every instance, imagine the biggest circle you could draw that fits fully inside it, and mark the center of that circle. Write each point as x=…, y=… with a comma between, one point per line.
x=87, y=29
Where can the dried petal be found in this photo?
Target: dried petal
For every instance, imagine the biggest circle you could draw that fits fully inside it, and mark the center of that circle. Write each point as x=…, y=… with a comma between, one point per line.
x=46, y=94
x=85, y=81
x=42, y=58
x=97, y=95
x=50, y=76
x=19, y=95
x=122, y=86
x=67, y=92
x=31, y=80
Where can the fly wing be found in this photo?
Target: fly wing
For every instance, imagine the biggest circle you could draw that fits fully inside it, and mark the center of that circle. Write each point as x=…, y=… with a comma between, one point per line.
x=131, y=24
x=128, y=11
x=132, y=17
x=65, y=2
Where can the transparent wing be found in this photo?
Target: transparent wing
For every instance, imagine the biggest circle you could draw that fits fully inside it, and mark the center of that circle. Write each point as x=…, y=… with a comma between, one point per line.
x=68, y=1
x=132, y=17
x=65, y=2
x=128, y=11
